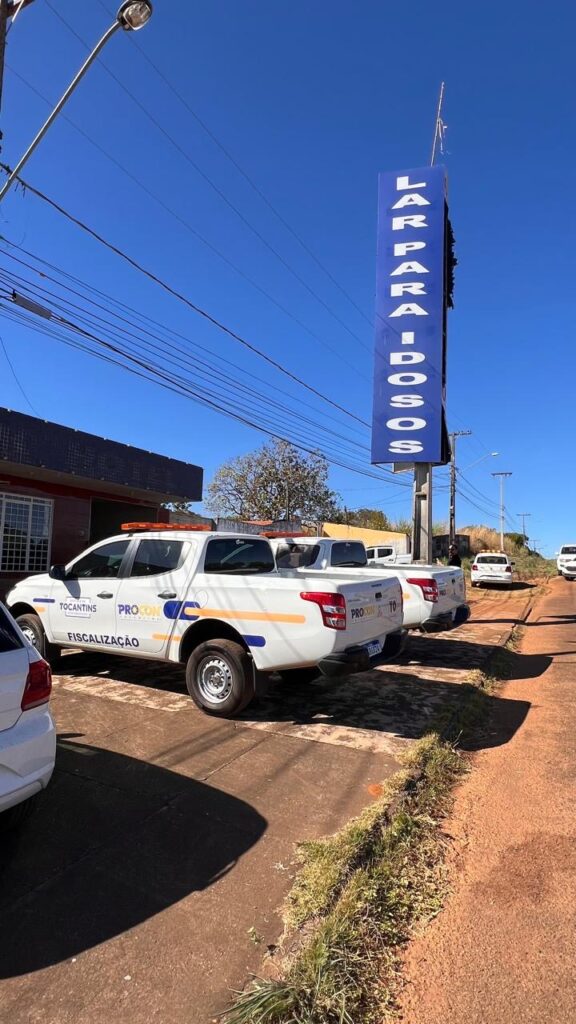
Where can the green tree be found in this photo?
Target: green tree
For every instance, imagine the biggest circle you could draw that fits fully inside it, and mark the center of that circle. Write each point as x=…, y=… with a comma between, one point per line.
x=274, y=482
x=368, y=518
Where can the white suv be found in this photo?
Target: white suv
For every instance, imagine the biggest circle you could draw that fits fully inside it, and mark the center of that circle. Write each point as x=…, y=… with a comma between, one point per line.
x=492, y=567
x=566, y=561
x=27, y=732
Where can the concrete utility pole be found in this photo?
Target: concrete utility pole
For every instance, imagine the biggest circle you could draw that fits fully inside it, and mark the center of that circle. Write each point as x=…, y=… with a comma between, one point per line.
x=422, y=513
x=524, y=516
x=502, y=476
x=452, y=526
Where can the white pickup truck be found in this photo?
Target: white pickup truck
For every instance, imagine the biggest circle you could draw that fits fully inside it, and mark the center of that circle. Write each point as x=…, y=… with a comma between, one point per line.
x=215, y=603
x=434, y=597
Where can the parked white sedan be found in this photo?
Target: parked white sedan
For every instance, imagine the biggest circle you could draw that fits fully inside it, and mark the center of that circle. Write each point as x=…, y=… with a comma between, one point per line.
x=492, y=567
x=27, y=731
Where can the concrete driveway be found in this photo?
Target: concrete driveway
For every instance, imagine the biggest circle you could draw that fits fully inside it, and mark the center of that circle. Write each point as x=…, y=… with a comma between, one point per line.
x=148, y=883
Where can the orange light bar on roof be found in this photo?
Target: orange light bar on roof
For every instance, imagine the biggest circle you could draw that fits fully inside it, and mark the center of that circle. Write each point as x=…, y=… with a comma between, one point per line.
x=274, y=534
x=196, y=527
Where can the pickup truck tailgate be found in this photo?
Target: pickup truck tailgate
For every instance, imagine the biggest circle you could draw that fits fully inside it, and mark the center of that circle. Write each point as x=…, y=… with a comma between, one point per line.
x=451, y=589
x=373, y=608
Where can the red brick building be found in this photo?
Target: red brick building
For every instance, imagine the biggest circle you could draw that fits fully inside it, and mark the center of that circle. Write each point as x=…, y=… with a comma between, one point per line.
x=62, y=490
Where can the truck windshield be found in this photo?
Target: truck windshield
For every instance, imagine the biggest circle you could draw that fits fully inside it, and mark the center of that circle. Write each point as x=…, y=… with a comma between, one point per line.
x=568, y=549
x=241, y=556
x=348, y=555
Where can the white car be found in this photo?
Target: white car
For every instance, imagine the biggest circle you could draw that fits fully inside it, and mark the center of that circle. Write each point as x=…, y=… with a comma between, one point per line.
x=492, y=567
x=27, y=732
x=566, y=561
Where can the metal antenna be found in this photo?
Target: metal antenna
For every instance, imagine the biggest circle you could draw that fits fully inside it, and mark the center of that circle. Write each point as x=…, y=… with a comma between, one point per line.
x=438, y=125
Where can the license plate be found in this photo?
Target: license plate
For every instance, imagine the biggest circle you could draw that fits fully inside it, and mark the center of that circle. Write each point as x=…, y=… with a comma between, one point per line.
x=374, y=648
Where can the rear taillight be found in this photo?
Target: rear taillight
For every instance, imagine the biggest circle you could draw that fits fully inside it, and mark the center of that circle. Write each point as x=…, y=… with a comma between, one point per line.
x=38, y=685
x=332, y=608
x=429, y=588
x=508, y=568
x=474, y=568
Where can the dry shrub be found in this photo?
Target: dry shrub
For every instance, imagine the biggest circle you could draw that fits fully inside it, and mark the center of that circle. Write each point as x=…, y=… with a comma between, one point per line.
x=483, y=538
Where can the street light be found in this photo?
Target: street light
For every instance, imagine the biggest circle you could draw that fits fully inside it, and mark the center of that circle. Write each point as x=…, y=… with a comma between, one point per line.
x=481, y=459
x=132, y=15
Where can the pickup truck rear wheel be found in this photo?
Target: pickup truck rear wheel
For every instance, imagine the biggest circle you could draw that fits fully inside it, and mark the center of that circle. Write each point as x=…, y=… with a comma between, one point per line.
x=220, y=677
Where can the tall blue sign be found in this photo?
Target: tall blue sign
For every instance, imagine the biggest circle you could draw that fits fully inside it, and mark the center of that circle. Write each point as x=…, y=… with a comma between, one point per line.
x=410, y=357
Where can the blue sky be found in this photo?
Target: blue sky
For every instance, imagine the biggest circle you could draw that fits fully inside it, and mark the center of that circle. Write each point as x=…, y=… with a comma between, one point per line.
x=312, y=100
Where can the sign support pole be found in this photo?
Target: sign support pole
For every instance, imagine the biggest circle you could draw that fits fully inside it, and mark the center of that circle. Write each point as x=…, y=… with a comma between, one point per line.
x=422, y=513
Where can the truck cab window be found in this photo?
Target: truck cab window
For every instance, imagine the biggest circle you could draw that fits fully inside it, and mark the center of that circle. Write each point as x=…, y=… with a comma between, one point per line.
x=239, y=556
x=349, y=555
x=154, y=557
x=103, y=563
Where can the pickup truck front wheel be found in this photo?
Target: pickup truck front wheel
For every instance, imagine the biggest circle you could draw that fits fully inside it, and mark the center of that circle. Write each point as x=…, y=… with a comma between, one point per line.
x=220, y=678
x=33, y=630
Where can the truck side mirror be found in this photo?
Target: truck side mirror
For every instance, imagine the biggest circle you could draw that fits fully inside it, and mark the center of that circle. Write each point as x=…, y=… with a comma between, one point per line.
x=57, y=572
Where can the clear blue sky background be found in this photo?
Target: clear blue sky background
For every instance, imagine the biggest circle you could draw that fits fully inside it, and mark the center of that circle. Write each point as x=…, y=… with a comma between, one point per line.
x=312, y=100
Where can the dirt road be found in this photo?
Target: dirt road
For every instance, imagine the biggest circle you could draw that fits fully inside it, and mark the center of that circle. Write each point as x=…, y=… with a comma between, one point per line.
x=504, y=949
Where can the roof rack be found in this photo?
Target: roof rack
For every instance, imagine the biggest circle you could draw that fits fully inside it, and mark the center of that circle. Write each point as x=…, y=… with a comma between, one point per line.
x=186, y=527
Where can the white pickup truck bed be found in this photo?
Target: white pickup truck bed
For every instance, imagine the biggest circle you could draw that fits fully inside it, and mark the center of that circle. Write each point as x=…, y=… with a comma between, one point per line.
x=434, y=597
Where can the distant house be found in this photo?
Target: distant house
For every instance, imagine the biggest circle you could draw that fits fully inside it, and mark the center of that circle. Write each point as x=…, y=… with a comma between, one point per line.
x=62, y=490
x=441, y=543
x=371, y=538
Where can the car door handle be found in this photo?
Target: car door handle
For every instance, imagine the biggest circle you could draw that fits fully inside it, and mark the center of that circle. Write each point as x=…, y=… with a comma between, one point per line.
x=105, y=593
x=167, y=594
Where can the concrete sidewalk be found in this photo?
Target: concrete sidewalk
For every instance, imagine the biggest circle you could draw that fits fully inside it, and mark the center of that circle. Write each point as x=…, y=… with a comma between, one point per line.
x=503, y=950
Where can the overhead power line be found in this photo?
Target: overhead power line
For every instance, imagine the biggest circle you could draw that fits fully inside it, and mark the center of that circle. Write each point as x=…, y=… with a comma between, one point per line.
x=222, y=195
x=189, y=227
x=140, y=368
x=244, y=174
x=137, y=321
x=180, y=297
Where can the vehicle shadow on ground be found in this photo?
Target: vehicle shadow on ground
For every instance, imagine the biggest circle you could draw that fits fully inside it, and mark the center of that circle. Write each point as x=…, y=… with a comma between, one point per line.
x=398, y=704
x=109, y=846
x=158, y=675
x=492, y=588
x=465, y=655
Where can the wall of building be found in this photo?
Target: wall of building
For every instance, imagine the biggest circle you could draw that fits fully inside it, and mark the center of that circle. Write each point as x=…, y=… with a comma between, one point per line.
x=399, y=541
x=71, y=519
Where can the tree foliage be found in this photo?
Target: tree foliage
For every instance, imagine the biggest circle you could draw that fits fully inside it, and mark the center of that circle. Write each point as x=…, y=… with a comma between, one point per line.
x=275, y=482
x=367, y=518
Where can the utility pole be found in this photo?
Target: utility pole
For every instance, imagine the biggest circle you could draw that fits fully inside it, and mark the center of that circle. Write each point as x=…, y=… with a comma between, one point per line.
x=452, y=526
x=524, y=516
x=502, y=476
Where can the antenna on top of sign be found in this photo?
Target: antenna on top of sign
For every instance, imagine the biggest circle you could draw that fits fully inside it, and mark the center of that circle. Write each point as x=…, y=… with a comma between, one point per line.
x=439, y=127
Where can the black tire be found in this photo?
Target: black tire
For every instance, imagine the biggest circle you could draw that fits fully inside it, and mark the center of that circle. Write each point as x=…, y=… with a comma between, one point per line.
x=299, y=676
x=15, y=816
x=233, y=684
x=33, y=630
